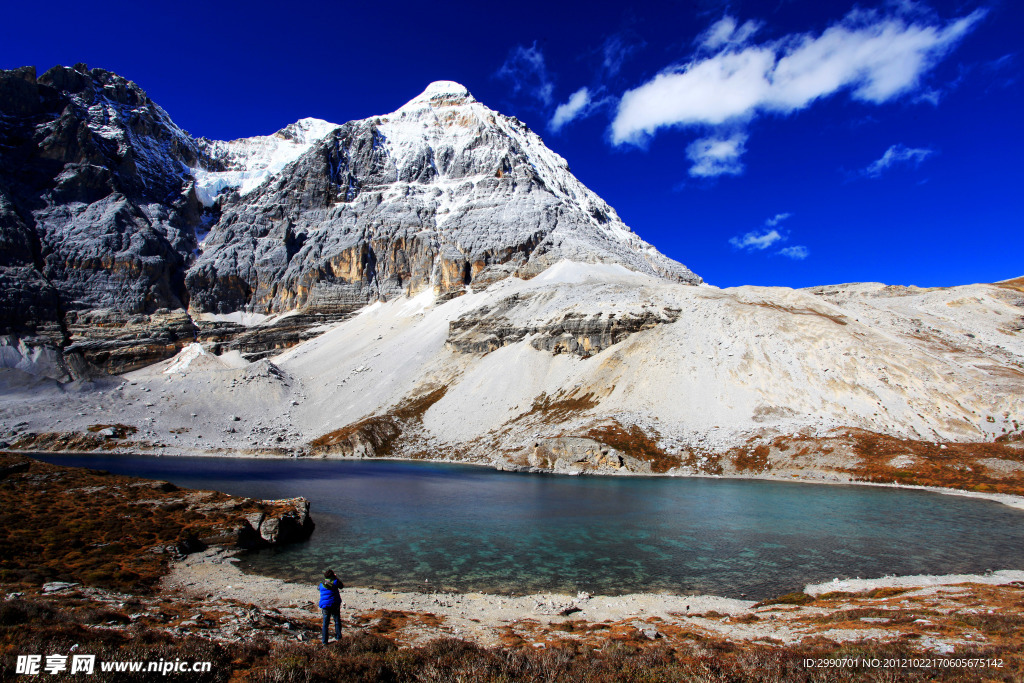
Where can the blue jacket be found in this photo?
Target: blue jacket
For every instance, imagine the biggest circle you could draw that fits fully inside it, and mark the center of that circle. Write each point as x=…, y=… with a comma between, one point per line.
x=329, y=596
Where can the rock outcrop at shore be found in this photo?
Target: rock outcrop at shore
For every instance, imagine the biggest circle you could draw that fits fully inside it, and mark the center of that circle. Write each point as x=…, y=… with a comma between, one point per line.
x=124, y=238
x=576, y=455
x=288, y=521
x=123, y=531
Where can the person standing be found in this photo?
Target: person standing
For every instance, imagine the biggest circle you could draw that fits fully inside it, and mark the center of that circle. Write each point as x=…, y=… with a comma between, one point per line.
x=330, y=603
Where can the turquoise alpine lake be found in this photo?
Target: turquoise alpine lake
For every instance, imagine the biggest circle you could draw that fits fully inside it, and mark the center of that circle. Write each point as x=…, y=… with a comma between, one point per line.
x=428, y=527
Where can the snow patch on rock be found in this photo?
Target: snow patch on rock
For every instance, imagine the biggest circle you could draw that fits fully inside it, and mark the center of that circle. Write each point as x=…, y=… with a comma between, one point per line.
x=249, y=162
x=181, y=362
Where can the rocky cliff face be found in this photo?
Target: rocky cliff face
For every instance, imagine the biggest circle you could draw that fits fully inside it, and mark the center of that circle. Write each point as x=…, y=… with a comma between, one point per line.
x=439, y=194
x=560, y=331
x=121, y=234
x=96, y=212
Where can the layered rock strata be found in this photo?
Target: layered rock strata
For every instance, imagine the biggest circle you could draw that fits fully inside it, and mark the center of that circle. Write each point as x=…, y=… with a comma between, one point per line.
x=575, y=332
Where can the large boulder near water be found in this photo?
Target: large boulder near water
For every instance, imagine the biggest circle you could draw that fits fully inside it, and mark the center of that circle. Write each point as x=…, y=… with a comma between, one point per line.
x=288, y=522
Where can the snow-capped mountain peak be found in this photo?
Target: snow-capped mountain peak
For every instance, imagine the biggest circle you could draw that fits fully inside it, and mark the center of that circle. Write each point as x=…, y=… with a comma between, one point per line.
x=439, y=94
x=466, y=145
x=247, y=163
x=306, y=131
x=442, y=193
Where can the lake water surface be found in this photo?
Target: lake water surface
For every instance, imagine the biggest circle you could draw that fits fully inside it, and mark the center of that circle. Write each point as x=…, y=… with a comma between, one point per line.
x=422, y=526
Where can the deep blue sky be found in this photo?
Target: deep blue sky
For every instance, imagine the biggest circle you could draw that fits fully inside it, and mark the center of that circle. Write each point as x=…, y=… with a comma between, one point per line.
x=946, y=209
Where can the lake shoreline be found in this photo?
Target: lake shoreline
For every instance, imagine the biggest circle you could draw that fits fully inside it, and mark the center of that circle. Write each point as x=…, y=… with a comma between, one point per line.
x=485, y=617
x=1011, y=500
x=205, y=594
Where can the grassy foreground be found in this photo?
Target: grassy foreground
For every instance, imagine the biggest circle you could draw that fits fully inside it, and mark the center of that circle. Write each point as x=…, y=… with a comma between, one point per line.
x=36, y=625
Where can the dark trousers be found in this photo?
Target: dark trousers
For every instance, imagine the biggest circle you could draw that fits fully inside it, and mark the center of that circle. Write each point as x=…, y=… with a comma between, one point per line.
x=328, y=613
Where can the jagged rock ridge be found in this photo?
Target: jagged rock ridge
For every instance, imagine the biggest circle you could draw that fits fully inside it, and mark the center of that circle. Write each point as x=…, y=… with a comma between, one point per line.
x=437, y=194
x=125, y=238
x=95, y=212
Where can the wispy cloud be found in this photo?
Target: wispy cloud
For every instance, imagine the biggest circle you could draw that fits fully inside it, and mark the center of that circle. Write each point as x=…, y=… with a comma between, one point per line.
x=726, y=32
x=527, y=72
x=769, y=236
x=874, y=56
x=578, y=105
x=1000, y=63
x=756, y=240
x=715, y=156
x=615, y=51
x=797, y=252
x=897, y=155
x=1003, y=70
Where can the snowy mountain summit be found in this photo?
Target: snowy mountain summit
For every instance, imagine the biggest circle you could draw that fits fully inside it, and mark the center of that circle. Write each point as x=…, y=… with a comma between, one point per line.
x=442, y=193
x=152, y=238
x=442, y=89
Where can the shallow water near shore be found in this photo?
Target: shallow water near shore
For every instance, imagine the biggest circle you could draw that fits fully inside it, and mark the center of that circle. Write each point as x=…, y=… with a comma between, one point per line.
x=428, y=527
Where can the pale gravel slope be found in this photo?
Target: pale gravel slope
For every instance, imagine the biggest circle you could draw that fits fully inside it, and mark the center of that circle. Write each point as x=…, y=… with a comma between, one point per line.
x=741, y=362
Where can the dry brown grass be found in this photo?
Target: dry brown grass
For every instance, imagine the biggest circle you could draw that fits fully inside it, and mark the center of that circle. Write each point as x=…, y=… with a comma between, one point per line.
x=63, y=442
x=121, y=431
x=707, y=462
x=867, y=456
x=788, y=599
x=959, y=613
x=414, y=408
x=1017, y=284
x=636, y=443
x=838, y=320
x=390, y=622
x=755, y=460
x=379, y=433
x=951, y=465
x=560, y=407
x=574, y=650
x=88, y=526
x=885, y=592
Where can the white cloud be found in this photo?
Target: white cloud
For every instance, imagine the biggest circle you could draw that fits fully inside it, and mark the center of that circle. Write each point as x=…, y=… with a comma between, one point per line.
x=615, y=51
x=726, y=32
x=526, y=70
x=796, y=252
x=932, y=96
x=578, y=105
x=727, y=87
x=895, y=155
x=769, y=236
x=757, y=240
x=873, y=56
x=715, y=156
